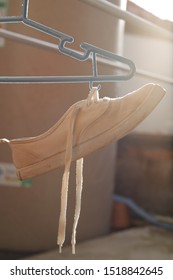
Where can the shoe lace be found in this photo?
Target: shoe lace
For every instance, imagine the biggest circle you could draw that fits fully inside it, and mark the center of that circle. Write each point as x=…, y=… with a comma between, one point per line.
x=93, y=96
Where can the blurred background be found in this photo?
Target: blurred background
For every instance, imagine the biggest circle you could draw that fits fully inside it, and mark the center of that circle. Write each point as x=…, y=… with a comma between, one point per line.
x=128, y=199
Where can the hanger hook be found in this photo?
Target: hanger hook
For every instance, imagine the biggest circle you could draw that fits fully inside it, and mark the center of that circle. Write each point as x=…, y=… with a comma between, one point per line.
x=91, y=86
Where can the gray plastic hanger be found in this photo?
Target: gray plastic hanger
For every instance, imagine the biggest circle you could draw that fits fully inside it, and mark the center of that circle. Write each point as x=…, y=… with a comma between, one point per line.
x=89, y=52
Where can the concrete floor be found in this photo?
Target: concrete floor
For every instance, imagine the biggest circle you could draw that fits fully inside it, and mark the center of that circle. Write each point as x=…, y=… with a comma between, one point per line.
x=148, y=242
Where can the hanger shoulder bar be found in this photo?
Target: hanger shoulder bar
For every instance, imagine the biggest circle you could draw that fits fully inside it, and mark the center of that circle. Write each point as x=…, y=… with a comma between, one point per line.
x=11, y=19
x=61, y=79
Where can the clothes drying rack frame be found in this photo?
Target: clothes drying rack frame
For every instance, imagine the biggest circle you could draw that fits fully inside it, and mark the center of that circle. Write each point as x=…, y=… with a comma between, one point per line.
x=88, y=52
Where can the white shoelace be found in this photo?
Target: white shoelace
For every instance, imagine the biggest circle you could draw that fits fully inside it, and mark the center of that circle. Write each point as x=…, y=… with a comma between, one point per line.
x=92, y=97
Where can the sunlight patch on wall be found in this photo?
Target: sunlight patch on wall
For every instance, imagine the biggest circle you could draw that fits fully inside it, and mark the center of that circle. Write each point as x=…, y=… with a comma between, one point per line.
x=161, y=9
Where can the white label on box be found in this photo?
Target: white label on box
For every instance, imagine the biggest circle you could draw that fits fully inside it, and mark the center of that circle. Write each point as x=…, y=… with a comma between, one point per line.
x=8, y=176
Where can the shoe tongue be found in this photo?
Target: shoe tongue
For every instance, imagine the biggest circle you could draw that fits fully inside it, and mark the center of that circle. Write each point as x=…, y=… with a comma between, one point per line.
x=93, y=95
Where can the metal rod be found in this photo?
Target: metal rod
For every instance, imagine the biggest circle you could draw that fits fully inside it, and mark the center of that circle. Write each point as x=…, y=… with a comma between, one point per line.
x=28, y=40
x=135, y=21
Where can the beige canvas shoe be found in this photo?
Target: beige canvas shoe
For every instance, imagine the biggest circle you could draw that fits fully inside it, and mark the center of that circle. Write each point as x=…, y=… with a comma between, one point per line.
x=98, y=122
x=87, y=126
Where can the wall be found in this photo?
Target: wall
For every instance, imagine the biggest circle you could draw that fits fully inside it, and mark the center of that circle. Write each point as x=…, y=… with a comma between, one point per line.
x=145, y=157
x=154, y=54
